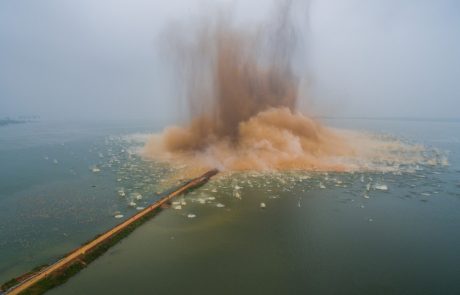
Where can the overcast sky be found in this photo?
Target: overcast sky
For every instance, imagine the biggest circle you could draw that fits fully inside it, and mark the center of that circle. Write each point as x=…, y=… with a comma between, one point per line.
x=98, y=58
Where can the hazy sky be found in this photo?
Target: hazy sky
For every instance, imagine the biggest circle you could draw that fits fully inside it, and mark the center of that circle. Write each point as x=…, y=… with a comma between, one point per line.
x=98, y=58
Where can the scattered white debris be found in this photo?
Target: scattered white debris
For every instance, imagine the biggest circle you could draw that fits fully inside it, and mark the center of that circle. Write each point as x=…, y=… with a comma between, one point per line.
x=214, y=190
x=55, y=161
x=132, y=204
x=220, y=205
x=201, y=200
x=211, y=198
x=139, y=197
x=140, y=208
x=118, y=216
x=175, y=203
x=237, y=194
x=178, y=207
x=321, y=185
x=191, y=215
x=262, y=205
x=426, y=194
x=95, y=170
x=366, y=196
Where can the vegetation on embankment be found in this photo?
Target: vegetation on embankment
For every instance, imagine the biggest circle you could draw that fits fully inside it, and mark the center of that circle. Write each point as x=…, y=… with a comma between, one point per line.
x=64, y=273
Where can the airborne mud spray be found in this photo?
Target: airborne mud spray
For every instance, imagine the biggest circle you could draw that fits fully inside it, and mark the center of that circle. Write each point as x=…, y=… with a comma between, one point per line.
x=241, y=90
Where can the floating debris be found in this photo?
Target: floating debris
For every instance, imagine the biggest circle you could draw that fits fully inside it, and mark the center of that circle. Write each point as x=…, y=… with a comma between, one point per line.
x=178, y=207
x=381, y=187
x=191, y=215
x=262, y=205
x=220, y=205
x=140, y=208
x=368, y=186
x=95, y=170
x=118, y=216
x=321, y=185
x=55, y=161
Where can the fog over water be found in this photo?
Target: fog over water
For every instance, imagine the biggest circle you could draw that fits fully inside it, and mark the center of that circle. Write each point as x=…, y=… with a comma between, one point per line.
x=102, y=59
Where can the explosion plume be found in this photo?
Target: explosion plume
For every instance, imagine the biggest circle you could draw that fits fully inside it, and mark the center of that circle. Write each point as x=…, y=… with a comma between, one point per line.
x=241, y=89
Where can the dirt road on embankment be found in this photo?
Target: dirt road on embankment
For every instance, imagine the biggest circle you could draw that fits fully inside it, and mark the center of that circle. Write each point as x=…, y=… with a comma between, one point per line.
x=110, y=233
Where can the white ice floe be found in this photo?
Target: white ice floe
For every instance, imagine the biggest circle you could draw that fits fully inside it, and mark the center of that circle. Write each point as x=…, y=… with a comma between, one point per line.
x=191, y=215
x=140, y=208
x=132, y=204
x=321, y=185
x=368, y=186
x=176, y=203
x=211, y=198
x=262, y=205
x=178, y=207
x=381, y=187
x=118, y=216
x=201, y=200
x=220, y=205
x=95, y=170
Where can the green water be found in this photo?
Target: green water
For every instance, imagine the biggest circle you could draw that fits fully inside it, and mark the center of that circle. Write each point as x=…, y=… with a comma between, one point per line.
x=319, y=233
x=306, y=240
